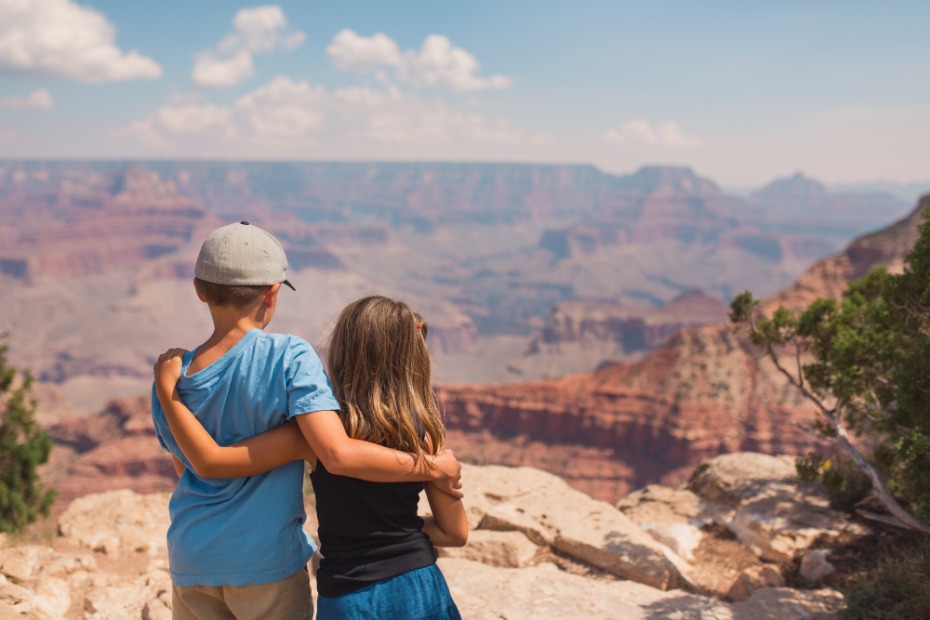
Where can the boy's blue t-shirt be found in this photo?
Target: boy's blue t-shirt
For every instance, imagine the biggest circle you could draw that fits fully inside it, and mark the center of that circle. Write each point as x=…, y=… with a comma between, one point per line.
x=243, y=531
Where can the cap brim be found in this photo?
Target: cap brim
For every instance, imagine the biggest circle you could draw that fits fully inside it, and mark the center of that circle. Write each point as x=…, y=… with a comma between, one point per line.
x=289, y=284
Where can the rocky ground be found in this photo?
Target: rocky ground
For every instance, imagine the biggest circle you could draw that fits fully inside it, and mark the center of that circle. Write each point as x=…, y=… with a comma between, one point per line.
x=738, y=541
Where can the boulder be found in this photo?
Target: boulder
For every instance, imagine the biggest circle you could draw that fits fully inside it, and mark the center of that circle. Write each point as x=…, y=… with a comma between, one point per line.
x=52, y=598
x=549, y=512
x=147, y=596
x=671, y=516
x=815, y=566
x=29, y=561
x=731, y=478
x=117, y=522
x=763, y=502
x=508, y=549
x=713, y=558
x=543, y=591
x=753, y=578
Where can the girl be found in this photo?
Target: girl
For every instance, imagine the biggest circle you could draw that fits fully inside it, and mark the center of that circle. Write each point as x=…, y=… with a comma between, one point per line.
x=378, y=559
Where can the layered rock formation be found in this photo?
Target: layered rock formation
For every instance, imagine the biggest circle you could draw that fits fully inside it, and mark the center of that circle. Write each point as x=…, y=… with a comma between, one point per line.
x=92, y=224
x=589, y=333
x=829, y=277
x=704, y=392
x=115, y=449
x=89, y=229
x=537, y=549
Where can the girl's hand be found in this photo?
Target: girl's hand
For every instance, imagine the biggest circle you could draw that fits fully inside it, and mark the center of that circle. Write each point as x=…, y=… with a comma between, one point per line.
x=447, y=474
x=167, y=370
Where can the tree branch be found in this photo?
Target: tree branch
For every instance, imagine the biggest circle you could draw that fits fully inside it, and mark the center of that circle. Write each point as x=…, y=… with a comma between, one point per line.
x=899, y=516
x=904, y=518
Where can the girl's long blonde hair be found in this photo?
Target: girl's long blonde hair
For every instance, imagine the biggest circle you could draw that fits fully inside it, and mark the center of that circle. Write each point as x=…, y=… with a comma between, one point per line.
x=381, y=373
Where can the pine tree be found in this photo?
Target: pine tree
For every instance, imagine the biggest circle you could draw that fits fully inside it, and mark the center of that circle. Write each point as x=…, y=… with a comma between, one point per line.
x=864, y=362
x=24, y=445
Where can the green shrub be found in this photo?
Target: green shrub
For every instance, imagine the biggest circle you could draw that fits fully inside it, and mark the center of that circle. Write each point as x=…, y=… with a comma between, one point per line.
x=897, y=589
x=844, y=483
x=24, y=445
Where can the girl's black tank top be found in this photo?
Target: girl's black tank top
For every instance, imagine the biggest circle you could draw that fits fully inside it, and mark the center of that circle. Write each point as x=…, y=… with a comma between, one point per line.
x=369, y=531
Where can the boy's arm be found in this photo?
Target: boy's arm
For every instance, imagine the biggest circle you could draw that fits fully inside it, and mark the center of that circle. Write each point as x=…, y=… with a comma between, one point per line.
x=344, y=456
x=255, y=455
x=448, y=527
x=178, y=465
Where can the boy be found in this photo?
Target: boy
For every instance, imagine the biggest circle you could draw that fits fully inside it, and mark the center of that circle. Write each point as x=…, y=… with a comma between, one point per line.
x=237, y=547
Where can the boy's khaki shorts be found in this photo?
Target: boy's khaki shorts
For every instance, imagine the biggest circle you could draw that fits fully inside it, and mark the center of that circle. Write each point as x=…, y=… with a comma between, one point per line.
x=287, y=599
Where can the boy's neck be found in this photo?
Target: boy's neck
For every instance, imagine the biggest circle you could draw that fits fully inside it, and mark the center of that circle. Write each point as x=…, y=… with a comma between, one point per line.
x=230, y=325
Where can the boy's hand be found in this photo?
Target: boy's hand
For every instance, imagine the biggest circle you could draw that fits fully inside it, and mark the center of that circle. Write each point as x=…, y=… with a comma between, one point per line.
x=168, y=370
x=448, y=474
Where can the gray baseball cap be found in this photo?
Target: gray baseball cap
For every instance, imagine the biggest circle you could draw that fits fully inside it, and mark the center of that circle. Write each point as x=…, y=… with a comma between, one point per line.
x=242, y=255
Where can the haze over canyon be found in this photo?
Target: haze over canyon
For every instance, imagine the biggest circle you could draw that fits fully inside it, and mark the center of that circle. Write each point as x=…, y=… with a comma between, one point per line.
x=578, y=318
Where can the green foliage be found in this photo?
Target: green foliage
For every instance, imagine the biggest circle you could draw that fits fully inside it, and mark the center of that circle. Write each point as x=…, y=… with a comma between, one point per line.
x=868, y=359
x=24, y=445
x=845, y=483
x=898, y=589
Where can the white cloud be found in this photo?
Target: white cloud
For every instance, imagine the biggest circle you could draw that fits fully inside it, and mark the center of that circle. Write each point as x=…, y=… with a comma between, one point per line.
x=282, y=109
x=352, y=52
x=288, y=118
x=63, y=39
x=264, y=29
x=641, y=133
x=437, y=64
x=260, y=29
x=222, y=72
x=440, y=64
x=193, y=119
x=37, y=99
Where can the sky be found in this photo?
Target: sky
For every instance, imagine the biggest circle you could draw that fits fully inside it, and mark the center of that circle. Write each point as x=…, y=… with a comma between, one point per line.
x=742, y=92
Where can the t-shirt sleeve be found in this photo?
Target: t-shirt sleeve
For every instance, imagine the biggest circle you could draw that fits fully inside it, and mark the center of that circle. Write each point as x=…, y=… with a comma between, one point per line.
x=162, y=430
x=308, y=387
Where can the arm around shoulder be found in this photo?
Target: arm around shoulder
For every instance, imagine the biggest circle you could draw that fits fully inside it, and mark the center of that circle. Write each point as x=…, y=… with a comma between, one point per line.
x=208, y=459
x=345, y=456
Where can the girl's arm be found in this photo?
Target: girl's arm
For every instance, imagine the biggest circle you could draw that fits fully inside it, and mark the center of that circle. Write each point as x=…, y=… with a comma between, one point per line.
x=448, y=527
x=344, y=456
x=323, y=437
x=255, y=455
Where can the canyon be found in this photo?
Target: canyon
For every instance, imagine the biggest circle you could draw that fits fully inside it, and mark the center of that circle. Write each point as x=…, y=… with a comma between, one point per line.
x=492, y=254
x=577, y=318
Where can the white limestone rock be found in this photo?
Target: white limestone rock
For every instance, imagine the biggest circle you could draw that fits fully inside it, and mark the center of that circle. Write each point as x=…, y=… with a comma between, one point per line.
x=507, y=549
x=549, y=512
x=118, y=522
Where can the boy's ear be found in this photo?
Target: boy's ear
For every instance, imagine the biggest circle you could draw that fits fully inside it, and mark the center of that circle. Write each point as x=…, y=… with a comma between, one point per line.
x=271, y=295
x=196, y=290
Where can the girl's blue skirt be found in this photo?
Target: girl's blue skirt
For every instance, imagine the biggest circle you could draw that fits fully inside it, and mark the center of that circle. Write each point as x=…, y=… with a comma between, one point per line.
x=420, y=594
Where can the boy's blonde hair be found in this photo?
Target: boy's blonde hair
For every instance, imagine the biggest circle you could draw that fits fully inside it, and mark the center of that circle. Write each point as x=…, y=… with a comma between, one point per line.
x=381, y=373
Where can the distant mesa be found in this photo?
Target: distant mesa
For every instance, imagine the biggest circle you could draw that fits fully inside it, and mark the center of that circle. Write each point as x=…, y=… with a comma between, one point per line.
x=83, y=228
x=668, y=179
x=633, y=329
x=795, y=187
x=88, y=226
